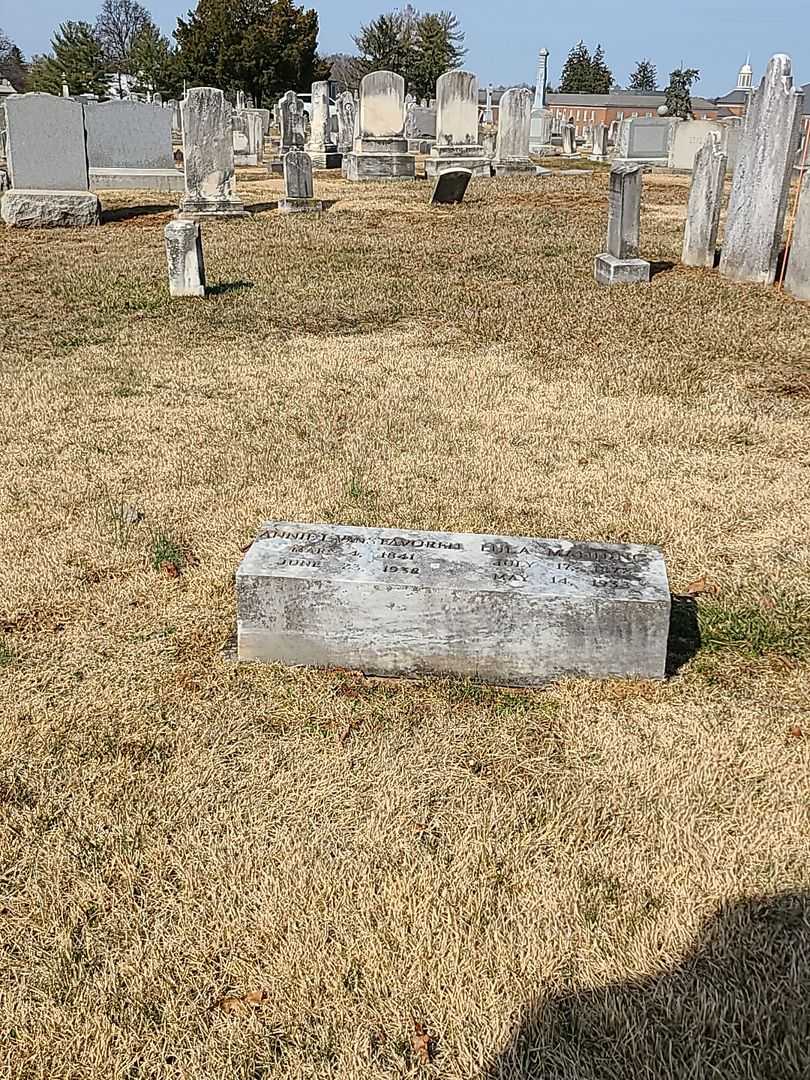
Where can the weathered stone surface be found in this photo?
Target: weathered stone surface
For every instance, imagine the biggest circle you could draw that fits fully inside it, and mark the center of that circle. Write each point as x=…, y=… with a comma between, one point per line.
x=705, y=203
x=45, y=143
x=320, y=134
x=184, y=255
x=541, y=83
x=451, y=186
x=797, y=278
x=457, y=109
x=540, y=132
x=366, y=165
x=759, y=191
x=23, y=209
x=608, y=270
x=569, y=140
x=298, y=175
x=137, y=180
x=248, y=137
x=292, y=122
x=208, y=155
x=689, y=137
x=624, y=211
x=382, y=106
x=646, y=138
x=508, y=610
x=128, y=135
x=346, y=108
x=514, y=128
x=600, y=143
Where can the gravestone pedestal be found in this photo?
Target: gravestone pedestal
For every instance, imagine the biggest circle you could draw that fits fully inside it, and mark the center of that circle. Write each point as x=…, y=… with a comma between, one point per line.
x=620, y=264
x=380, y=159
x=444, y=158
x=184, y=255
x=23, y=209
x=506, y=610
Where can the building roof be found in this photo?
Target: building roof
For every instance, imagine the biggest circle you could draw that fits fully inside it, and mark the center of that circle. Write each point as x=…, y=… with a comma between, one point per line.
x=736, y=97
x=620, y=99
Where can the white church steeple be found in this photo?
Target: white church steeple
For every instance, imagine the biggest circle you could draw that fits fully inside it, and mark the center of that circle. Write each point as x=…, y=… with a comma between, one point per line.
x=745, y=79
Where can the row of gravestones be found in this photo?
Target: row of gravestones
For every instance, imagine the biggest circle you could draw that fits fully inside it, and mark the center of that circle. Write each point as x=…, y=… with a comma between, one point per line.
x=757, y=206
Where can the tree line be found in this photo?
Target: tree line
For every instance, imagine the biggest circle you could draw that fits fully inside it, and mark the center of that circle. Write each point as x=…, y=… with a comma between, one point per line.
x=265, y=47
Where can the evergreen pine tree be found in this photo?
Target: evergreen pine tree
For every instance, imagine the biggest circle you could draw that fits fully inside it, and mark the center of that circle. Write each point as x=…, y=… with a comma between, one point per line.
x=12, y=63
x=77, y=57
x=601, y=75
x=577, y=72
x=438, y=47
x=153, y=64
x=679, y=98
x=644, y=79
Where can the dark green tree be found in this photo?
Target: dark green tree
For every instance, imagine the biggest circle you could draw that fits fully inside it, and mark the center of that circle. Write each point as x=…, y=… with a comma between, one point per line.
x=153, y=64
x=679, y=92
x=439, y=47
x=576, y=74
x=77, y=57
x=263, y=47
x=12, y=63
x=601, y=75
x=644, y=79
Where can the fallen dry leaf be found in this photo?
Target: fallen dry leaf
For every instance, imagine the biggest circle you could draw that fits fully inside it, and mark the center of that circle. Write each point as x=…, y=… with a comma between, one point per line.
x=170, y=569
x=234, y=1004
x=795, y=732
x=766, y=603
x=700, y=586
x=421, y=1043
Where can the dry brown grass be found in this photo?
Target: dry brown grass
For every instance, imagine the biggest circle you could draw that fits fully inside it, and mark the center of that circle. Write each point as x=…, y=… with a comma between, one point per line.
x=543, y=884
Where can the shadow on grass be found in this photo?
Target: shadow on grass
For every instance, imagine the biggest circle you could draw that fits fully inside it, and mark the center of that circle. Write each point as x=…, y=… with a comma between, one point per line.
x=228, y=287
x=662, y=267
x=684, y=633
x=735, y=1007
x=261, y=207
x=126, y=213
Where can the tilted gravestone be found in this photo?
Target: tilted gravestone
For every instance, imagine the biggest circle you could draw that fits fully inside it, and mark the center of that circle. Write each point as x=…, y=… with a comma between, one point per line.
x=500, y=609
x=761, y=184
x=451, y=186
x=797, y=278
x=321, y=148
x=184, y=255
x=47, y=164
x=705, y=203
x=208, y=156
x=457, y=145
x=514, y=131
x=620, y=264
x=298, y=184
x=129, y=145
x=380, y=150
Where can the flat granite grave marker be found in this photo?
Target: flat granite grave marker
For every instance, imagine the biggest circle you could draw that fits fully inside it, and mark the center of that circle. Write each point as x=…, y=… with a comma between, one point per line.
x=500, y=609
x=450, y=187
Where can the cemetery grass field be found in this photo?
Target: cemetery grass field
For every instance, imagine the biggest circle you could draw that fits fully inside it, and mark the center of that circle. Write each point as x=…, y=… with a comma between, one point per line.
x=252, y=872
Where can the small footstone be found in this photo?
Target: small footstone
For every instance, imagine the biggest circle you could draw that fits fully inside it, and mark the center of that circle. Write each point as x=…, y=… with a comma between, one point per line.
x=500, y=609
x=22, y=209
x=184, y=254
x=450, y=186
x=608, y=270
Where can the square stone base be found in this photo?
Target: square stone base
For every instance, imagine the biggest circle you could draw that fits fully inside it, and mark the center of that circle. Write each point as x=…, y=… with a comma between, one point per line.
x=380, y=166
x=300, y=206
x=325, y=159
x=211, y=209
x=137, y=180
x=608, y=270
x=27, y=209
x=435, y=164
x=513, y=168
x=244, y=161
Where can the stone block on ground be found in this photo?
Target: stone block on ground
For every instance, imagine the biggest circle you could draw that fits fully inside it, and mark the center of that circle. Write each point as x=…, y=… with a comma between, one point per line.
x=23, y=209
x=499, y=609
x=184, y=255
x=137, y=180
x=609, y=270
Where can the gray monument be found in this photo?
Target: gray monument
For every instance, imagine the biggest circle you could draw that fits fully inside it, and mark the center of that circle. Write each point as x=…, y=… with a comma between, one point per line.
x=380, y=150
x=208, y=156
x=450, y=187
x=457, y=145
x=797, y=278
x=646, y=139
x=346, y=107
x=540, y=135
x=47, y=164
x=599, y=151
x=248, y=137
x=184, y=255
x=514, y=127
x=705, y=204
x=321, y=148
x=499, y=609
x=620, y=264
x=569, y=141
x=291, y=121
x=759, y=191
x=129, y=145
x=298, y=185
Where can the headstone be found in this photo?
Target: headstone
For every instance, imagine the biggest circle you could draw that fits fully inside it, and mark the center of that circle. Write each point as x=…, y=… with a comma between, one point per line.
x=129, y=145
x=646, y=139
x=298, y=185
x=759, y=190
x=488, y=114
x=457, y=144
x=688, y=138
x=705, y=203
x=797, y=277
x=345, y=106
x=451, y=186
x=291, y=119
x=184, y=255
x=380, y=150
x=322, y=150
x=542, y=118
x=600, y=143
x=47, y=164
x=240, y=100
x=569, y=145
x=248, y=137
x=498, y=609
x=514, y=129
x=208, y=156
x=620, y=264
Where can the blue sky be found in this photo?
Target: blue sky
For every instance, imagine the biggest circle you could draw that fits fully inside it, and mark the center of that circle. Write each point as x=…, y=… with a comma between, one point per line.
x=503, y=36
